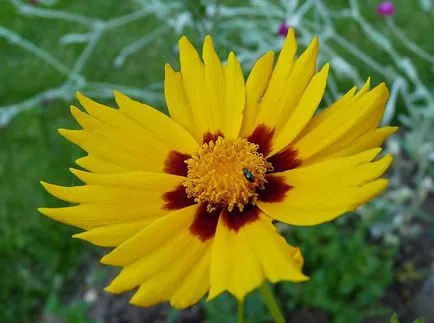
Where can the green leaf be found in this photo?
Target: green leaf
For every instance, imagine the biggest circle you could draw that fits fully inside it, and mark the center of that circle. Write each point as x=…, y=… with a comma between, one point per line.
x=394, y=318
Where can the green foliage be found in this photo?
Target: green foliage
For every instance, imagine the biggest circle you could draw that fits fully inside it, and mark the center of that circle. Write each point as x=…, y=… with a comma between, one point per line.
x=224, y=309
x=348, y=273
x=34, y=249
x=395, y=319
x=71, y=313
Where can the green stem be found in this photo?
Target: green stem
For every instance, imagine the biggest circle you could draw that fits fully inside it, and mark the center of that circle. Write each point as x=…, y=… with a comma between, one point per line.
x=240, y=316
x=271, y=303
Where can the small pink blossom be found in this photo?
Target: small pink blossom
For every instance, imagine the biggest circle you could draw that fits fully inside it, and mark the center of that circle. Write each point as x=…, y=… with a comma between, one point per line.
x=386, y=8
x=283, y=29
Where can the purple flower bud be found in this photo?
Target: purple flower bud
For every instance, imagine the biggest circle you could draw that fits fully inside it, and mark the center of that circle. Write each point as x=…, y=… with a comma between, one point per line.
x=386, y=8
x=283, y=29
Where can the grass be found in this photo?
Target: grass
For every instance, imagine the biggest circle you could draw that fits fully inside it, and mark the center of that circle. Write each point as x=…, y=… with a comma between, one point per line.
x=38, y=251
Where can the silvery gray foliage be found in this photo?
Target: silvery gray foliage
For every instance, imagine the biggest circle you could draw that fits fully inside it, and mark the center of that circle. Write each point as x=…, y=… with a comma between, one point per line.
x=250, y=30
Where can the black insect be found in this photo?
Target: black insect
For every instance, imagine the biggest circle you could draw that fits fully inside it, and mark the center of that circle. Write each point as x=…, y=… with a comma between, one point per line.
x=248, y=175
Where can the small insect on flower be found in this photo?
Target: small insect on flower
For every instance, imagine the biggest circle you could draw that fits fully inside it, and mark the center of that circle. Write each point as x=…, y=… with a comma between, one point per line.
x=248, y=175
x=167, y=192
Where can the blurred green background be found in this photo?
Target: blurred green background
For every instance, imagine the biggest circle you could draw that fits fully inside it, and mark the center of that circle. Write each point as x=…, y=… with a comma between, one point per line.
x=47, y=276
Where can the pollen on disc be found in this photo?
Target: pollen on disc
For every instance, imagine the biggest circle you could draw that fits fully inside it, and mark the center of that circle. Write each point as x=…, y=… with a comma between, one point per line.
x=217, y=173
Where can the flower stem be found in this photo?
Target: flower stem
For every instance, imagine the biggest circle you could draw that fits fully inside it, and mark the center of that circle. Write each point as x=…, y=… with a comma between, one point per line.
x=271, y=303
x=240, y=316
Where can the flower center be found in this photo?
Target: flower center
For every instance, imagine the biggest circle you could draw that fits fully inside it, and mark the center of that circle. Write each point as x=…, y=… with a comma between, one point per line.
x=226, y=173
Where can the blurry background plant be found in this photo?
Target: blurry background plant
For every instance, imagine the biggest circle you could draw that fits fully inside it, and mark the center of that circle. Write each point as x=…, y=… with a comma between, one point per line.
x=360, y=266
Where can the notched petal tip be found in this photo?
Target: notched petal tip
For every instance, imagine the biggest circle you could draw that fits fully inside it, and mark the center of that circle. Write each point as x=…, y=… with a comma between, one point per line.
x=385, y=89
x=393, y=130
x=112, y=290
x=49, y=212
x=47, y=186
x=233, y=60
x=81, y=97
x=80, y=174
x=168, y=68
x=179, y=305
x=43, y=210
x=208, y=52
x=78, y=235
x=314, y=44
x=117, y=93
x=74, y=136
x=119, y=96
x=134, y=300
x=268, y=56
x=184, y=43
x=73, y=109
x=208, y=40
x=106, y=260
x=290, y=33
x=325, y=68
x=64, y=132
x=324, y=72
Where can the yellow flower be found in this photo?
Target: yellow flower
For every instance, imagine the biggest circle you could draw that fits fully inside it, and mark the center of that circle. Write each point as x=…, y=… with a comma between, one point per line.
x=188, y=201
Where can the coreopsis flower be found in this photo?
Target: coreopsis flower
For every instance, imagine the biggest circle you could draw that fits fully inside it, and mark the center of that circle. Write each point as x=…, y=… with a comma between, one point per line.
x=188, y=201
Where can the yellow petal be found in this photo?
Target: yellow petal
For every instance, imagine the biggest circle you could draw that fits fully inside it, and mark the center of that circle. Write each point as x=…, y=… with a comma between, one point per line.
x=369, y=140
x=85, y=120
x=352, y=196
x=337, y=107
x=113, y=235
x=164, y=284
x=240, y=261
x=340, y=125
x=196, y=283
x=176, y=100
x=90, y=216
x=215, y=86
x=117, y=188
x=270, y=108
x=304, y=207
x=160, y=231
x=303, y=71
x=327, y=169
x=165, y=260
x=234, y=98
x=255, y=87
x=303, y=113
x=279, y=260
x=346, y=177
x=326, y=113
x=193, y=77
x=303, y=216
x=112, y=199
x=361, y=174
x=222, y=260
x=157, y=124
x=234, y=266
x=100, y=166
x=120, y=149
x=143, y=181
x=136, y=137
x=150, y=264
